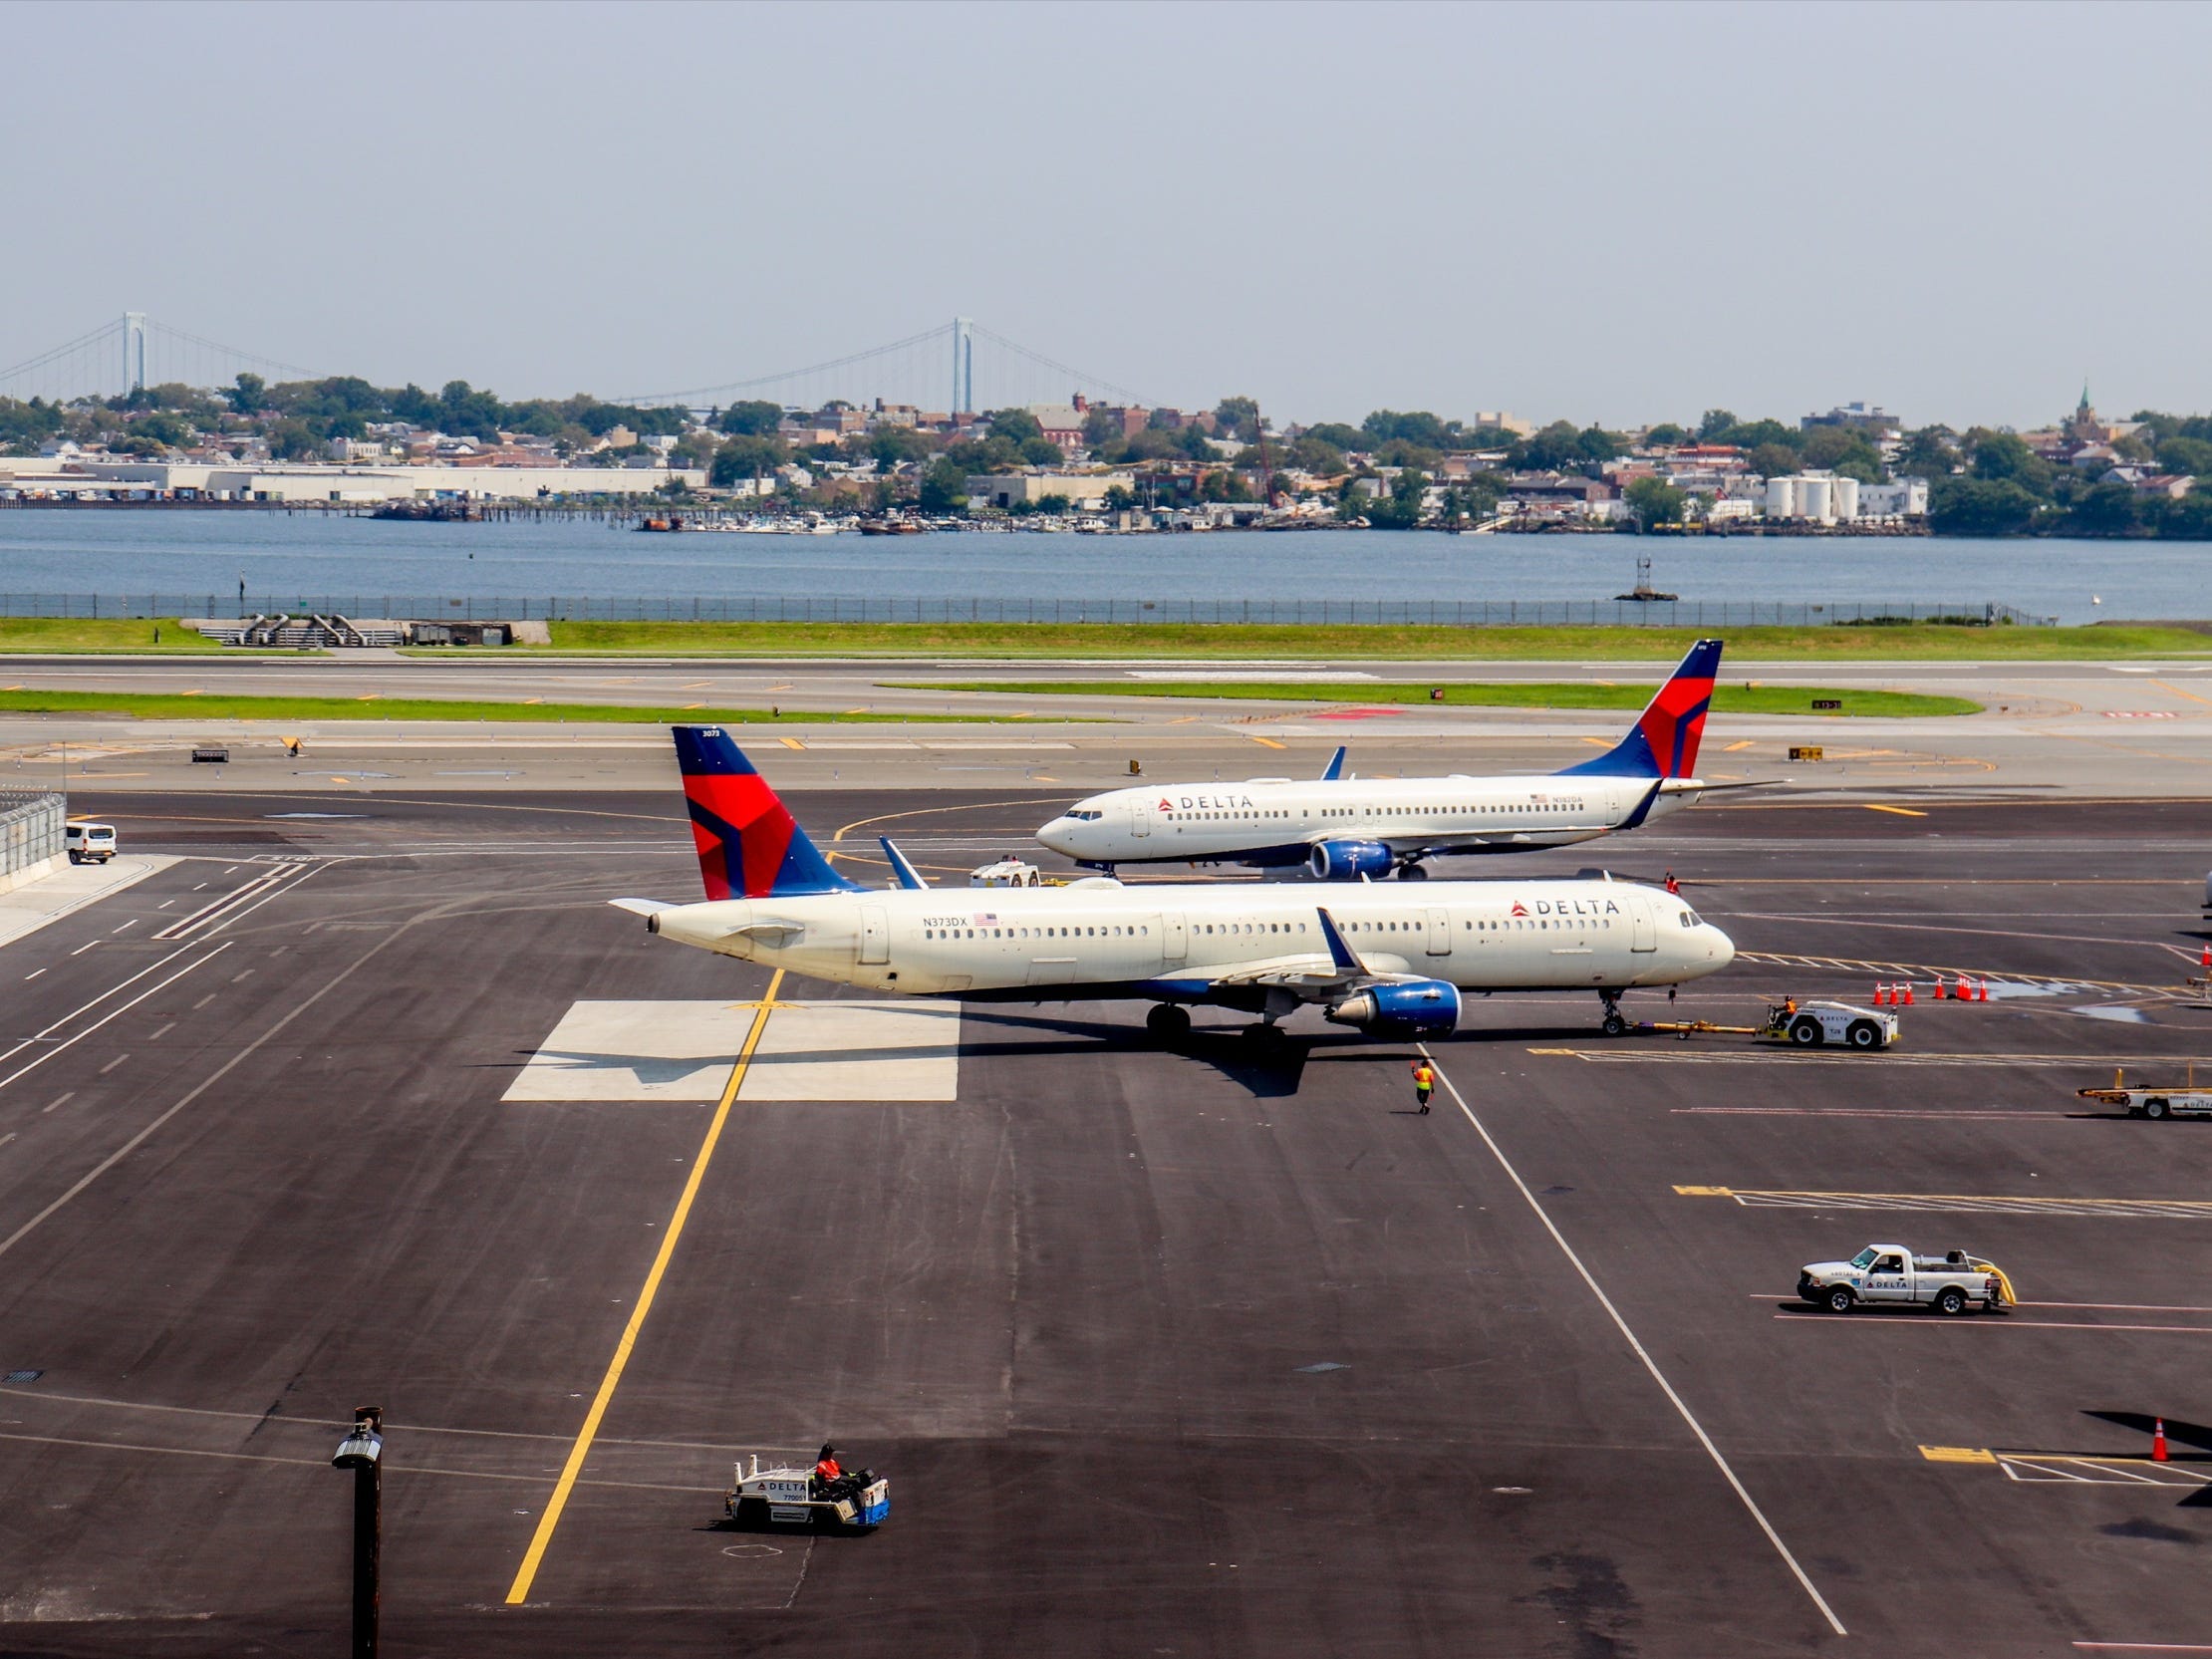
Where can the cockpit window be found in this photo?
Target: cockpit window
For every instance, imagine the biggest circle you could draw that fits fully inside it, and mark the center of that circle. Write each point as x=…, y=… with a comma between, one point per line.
x=1691, y=918
x=1084, y=817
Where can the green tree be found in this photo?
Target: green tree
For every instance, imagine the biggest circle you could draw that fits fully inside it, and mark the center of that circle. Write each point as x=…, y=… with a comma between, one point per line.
x=1040, y=451
x=1927, y=454
x=891, y=447
x=1716, y=421
x=294, y=440
x=1237, y=417
x=1980, y=507
x=1557, y=447
x=1314, y=455
x=754, y=419
x=1337, y=436
x=943, y=487
x=1018, y=425
x=248, y=394
x=1119, y=498
x=2104, y=510
x=1841, y=450
x=746, y=456
x=1666, y=436
x=1417, y=427
x=1773, y=460
x=2003, y=457
x=1654, y=501
x=2191, y=455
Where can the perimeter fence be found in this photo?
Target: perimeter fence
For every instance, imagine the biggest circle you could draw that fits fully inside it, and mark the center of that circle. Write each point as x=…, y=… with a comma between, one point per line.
x=29, y=831
x=836, y=607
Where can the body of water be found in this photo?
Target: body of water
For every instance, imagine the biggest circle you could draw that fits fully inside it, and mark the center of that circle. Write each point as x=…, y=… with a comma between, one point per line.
x=186, y=551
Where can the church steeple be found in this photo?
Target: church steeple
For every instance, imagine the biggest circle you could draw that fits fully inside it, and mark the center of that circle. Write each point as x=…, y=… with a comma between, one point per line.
x=2084, y=409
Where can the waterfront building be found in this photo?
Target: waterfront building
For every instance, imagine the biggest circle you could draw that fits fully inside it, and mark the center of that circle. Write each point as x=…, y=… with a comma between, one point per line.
x=1086, y=490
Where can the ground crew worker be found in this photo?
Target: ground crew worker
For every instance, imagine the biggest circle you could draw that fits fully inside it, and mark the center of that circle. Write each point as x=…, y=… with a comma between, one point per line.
x=826, y=1467
x=1424, y=1079
x=1673, y=886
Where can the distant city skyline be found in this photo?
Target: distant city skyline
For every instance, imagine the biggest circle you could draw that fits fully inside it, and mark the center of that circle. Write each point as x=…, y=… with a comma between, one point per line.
x=1612, y=214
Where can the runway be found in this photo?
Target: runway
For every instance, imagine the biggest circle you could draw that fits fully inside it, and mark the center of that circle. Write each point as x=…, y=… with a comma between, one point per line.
x=1193, y=1350
x=2117, y=729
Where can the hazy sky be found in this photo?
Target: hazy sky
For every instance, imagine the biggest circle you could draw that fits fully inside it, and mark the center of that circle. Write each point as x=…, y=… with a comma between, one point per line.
x=1617, y=213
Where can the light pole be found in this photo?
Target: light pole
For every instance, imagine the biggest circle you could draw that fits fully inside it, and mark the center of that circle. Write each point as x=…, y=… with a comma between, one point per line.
x=363, y=1453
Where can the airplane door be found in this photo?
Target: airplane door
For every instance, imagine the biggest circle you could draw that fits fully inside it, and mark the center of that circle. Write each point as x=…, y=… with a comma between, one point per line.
x=1140, y=819
x=1642, y=936
x=875, y=934
x=1174, y=936
x=1440, y=933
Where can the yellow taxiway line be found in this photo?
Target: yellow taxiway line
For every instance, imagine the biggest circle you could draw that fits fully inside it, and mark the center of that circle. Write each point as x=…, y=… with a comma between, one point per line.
x=1901, y=811
x=527, y=1575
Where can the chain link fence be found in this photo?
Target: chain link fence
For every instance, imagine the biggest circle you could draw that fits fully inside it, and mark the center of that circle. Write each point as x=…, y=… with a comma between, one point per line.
x=30, y=832
x=835, y=608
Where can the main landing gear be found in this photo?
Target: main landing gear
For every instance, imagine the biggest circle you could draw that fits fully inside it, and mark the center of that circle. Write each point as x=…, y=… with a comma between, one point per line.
x=1412, y=873
x=1168, y=1021
x=1613, y=1024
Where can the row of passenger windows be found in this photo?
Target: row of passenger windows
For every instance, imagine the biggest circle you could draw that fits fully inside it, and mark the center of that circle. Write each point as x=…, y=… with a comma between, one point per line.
x=1408, y=811
x=1036, y=933
x=1144, y=931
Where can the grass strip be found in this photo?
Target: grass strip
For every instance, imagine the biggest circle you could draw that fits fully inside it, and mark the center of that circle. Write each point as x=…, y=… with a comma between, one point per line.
x=1727, y=698
x=106, y=635
x=166, y=706
x=1228, y=640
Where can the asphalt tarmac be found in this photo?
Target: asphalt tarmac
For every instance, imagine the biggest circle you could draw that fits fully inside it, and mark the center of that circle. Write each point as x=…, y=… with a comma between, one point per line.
x=1197, y=1351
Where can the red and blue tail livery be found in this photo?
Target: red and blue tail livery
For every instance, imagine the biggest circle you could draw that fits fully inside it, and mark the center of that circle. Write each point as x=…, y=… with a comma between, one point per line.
x=1663, y=743
x=750, y=845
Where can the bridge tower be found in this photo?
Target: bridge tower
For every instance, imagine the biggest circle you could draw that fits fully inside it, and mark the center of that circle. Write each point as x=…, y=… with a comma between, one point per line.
x=134, y=351
x=963, y=365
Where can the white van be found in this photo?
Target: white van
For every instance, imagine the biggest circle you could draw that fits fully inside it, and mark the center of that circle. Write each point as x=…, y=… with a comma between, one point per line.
x=89, y=843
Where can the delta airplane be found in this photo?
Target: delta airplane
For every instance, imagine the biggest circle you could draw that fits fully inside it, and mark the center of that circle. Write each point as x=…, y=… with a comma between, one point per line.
x=1381, y=959
x=1347, y=829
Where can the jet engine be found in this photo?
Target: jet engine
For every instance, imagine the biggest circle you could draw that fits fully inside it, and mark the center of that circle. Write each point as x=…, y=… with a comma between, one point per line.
x=1408, y=1008
x=1347, y=861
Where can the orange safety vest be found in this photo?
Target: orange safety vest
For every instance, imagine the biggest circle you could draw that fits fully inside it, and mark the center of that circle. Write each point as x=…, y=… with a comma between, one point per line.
x=827, y=1469
x=1424, y=1077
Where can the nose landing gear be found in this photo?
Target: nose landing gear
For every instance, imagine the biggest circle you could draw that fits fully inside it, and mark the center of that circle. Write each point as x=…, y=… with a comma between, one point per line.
x=1613, y=1024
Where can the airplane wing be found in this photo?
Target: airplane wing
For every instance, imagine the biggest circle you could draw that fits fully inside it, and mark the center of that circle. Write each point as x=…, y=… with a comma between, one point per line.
x=641, y=907
x=1310, y=978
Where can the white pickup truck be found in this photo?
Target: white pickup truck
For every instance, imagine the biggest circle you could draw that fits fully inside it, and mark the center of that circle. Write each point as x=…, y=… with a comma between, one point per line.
x=1885, y=1273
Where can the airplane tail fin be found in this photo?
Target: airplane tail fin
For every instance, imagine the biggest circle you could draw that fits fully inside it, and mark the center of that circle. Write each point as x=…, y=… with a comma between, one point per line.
x=1663, y=743
x=750, y=845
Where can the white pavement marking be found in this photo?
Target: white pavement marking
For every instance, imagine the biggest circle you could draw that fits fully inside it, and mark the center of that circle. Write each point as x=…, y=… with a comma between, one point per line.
x=1705, y=1440
x=72, y=1042
x=25, y=910
x=874, y=1051
x=87, y=1007
x=809, y=1051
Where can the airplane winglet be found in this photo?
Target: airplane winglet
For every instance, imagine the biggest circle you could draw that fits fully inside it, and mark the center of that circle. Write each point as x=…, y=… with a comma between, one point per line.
x=1342, y=955
x=1335, y=768
x=1635, y=819
x=909, y=877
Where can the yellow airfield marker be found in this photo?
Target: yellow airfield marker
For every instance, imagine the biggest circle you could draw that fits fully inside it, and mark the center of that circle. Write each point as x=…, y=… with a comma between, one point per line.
x=1599, y=742
x=1704, y=1192
x=1740, y=743
x=193, y=692
x=1269, y=741
x=791, y=743
x=527, y=1575
x=1958, y=1454
x=1901, y=811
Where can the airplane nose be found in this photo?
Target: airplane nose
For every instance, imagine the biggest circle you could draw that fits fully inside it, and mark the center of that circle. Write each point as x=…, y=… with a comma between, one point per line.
x=1724, y=947
x=1056, y=836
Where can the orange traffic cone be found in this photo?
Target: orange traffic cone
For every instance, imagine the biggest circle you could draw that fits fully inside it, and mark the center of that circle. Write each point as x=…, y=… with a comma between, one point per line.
x=1881, y=996
x=2159, y=1441
x=1906, y=987
x=1981, y=990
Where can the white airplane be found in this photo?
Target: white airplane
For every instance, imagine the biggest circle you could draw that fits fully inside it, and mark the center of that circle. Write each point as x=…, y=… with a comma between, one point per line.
x=1382, y=960
x=1346, y=829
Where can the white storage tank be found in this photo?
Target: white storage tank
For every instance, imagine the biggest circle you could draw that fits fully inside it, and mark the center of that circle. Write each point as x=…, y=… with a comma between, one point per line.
x=1845, y=498
x=1816, y=500
x=1781, y=499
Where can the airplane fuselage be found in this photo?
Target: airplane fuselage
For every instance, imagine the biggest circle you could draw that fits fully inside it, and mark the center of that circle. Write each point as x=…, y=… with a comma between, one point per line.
x=1199, y=941
x=1275, y=822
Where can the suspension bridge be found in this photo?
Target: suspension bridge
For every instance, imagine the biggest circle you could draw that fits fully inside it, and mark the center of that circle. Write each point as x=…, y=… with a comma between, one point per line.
x=959, y=366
